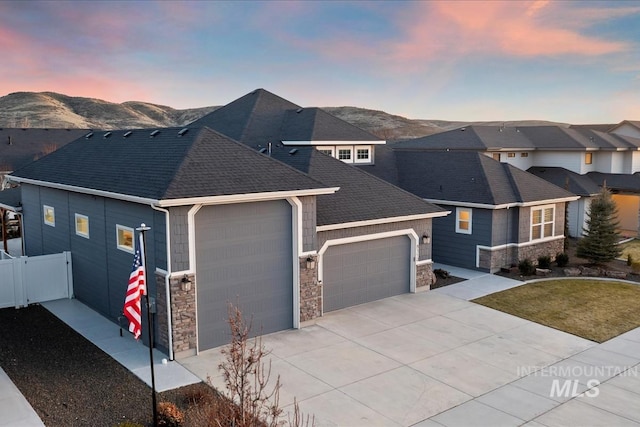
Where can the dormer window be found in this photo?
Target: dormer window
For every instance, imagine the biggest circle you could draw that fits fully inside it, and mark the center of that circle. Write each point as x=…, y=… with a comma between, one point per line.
x=363, y=154
x=345, y=154
x=330, y=151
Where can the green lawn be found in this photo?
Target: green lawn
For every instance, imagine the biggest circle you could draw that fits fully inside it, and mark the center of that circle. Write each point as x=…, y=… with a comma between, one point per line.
x=597, y=310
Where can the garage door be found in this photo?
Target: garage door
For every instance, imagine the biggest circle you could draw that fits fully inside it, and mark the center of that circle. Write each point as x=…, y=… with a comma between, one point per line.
x=361, y=272
x=243, y=257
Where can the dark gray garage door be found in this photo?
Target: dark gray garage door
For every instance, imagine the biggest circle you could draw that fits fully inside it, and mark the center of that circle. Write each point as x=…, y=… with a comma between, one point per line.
x=361, y=272
x=243, y=256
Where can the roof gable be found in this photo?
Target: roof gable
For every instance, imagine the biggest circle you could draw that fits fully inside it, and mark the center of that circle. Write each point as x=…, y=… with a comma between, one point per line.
x=315, y=124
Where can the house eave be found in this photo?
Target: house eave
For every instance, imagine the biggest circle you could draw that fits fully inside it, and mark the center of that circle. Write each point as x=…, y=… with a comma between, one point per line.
x=377, y=221
x=503, y=205
x=319, y=142
x=246, y=197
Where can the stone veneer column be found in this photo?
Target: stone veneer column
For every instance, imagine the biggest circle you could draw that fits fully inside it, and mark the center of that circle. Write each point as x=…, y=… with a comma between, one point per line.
x=183, y=315
x=424, y=275
x=310, y=289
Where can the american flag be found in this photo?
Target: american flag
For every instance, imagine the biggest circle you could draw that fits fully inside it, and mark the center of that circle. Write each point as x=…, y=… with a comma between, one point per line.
x=137, y=288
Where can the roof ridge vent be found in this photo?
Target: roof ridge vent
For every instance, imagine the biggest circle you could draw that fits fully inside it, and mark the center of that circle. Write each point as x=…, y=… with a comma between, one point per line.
x=154, y=133
x=107, y=135
x=127, y=134
x=183, y=131
x=89, y=135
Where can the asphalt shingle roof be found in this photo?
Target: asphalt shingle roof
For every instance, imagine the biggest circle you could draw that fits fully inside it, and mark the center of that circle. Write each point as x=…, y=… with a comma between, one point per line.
x=467, y=176
x=616, y=181
x=11, y=198
x=578, y=184
x=199, y=163
x=267, y=117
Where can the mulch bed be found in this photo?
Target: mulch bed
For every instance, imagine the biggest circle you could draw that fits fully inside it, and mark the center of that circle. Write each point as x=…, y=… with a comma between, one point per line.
x=71, y=382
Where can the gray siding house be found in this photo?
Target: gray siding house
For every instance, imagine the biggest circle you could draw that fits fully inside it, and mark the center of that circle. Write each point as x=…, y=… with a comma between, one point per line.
x=285, y=235
x=500, y=214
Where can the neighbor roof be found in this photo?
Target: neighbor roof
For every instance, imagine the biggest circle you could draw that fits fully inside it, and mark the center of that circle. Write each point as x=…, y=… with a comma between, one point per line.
x=578, y=184
x=165, y=165
x=261, y=117
x=19, y=147
x=468, y=177
x=500, y=138
x=616, y=181
x=11, y=199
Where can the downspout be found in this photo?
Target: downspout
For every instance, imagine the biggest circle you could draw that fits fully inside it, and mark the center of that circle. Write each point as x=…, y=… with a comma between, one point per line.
x=167, y=279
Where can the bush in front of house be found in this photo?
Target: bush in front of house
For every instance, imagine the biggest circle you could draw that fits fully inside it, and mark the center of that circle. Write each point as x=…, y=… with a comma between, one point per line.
x=169, y=415
x=526, y=267
x=562, y=259
x=544, y=261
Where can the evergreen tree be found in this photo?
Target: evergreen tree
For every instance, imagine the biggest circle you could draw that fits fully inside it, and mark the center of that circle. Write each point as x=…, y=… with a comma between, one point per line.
x=600, y=243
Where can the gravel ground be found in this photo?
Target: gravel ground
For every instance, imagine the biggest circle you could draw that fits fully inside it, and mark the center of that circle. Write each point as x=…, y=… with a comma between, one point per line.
x=68, y=380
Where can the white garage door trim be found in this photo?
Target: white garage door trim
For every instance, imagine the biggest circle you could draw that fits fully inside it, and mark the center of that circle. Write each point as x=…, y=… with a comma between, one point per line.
x=296, y=220
x=410, y=233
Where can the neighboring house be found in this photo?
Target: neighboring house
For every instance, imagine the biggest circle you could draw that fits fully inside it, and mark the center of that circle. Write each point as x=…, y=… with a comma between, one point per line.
x=582, y=150
x=229, y=225
x=19, y=147
x=500, y=214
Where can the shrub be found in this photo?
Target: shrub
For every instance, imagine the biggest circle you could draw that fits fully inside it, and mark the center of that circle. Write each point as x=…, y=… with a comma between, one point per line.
x=169, y=415
x=443, y=274
x=544, y=261
x=562, y=259
x=526, y=267
x=629, y=259
x=635, y=267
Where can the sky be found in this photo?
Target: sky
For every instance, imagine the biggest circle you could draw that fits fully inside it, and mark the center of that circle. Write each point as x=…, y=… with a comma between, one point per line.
x=566, y=61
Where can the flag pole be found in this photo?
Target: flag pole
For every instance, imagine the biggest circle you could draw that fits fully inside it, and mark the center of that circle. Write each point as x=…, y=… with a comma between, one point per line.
x=143, y=229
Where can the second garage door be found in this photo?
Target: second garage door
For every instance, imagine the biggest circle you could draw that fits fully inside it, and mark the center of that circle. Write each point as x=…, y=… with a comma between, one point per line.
x=361, y=272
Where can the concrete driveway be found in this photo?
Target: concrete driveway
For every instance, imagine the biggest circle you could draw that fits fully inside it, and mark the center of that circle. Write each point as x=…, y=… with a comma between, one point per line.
x=433, y=359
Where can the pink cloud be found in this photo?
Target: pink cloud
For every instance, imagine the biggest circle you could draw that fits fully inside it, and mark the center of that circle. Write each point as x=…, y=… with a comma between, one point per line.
x=441, y=29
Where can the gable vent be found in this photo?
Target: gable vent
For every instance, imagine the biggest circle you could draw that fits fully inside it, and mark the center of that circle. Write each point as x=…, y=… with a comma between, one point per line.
x=183, y=131
x=154, y=133
x=89, y=135
x=293, y=151
x=107, y=135
x=127, y=134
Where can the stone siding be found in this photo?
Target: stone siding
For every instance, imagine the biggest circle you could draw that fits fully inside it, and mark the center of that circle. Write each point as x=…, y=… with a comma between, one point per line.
x=512, y=255
x=310, y=289
x=532, y=252
x=183, y=315
x=424, y=275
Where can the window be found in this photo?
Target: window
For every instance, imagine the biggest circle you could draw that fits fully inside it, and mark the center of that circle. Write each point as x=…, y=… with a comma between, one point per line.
x=363, y=154
x=524, y=154
x=82, y=225
x=542, y=222
x=327, y=150
x=463, y=220
x=124, y=236
x=49, y=215
x=496, y=156
x=588, y=158
x=511, y=154
x=344, y=154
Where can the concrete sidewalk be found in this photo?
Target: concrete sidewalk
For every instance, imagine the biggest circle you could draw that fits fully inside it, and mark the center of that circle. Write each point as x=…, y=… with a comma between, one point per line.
x=14, y=407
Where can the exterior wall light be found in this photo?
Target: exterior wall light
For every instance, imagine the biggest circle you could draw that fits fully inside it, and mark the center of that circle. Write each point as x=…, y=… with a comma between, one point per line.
x=185, y=283
x=426, y=239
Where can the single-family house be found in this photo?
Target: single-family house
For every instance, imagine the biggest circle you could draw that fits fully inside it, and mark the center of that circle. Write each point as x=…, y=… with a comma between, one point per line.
x=500, y=214
x=285, y=242
x=582, y=150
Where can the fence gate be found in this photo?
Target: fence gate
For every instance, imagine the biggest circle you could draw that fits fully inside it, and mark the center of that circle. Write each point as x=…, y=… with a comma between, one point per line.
x=28, y=280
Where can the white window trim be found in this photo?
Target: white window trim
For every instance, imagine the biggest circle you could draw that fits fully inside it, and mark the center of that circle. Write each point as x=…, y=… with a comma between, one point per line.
x=78, y=232
x=44, y=215
x=542, y=224
x=362, y=147
x=349, y=160
x=460, y=230
x=123, y=247
x=328, y=148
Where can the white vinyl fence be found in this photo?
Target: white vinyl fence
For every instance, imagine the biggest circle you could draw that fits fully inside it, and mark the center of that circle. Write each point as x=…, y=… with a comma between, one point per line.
x=28, y=280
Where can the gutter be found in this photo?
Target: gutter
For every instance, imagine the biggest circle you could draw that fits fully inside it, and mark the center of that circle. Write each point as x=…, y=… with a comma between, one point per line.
x=167, y=279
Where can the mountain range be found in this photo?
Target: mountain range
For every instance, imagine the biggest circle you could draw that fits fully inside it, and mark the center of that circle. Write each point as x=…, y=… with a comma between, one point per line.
x=54, y=110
